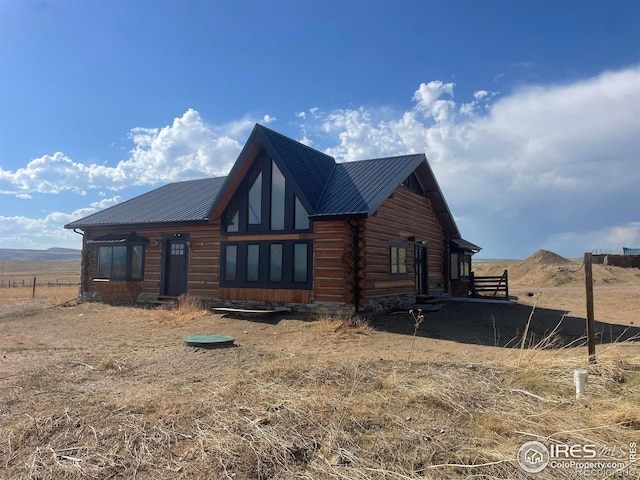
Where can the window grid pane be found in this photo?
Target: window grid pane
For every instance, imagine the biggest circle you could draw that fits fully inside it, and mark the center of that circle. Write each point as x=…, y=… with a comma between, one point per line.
x=136, y=261
x=394, y=259
x=232, y=225
x=300, y=262
x=119, y=262
x=402, y=260
x=275, y=262
x=231, y=263
x=277, y=198
x=255, y=201
x=301, y=216
x=104, y=262
x=253, y=263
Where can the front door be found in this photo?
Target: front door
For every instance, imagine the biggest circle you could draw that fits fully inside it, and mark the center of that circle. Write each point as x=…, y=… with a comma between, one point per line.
x=175, y=277
x=420, y=259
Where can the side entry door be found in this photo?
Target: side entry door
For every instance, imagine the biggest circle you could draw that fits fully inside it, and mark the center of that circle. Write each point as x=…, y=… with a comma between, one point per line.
x=175, y=278
x=420, y=259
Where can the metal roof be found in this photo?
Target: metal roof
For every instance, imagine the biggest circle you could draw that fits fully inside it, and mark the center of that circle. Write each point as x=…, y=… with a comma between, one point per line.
x=465, y=245
x=308, y=168
x=361, y=187
x=325, y=188
x=188, y=201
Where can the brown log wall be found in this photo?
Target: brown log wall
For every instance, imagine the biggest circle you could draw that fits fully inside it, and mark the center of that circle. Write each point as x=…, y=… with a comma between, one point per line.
x=203, y=259
x=331, y=242
x=404, y=214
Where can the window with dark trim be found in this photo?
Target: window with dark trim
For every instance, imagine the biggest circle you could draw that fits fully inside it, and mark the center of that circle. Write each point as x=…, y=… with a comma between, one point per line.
x=255, y=201
x=120, y=262
x=412, y=184
x=460, y=266
x=301, y=216
x=267, y=264
x=265, y=202
x=300, y=271
x=253, y=263
x=275, y=262
x=398, y=260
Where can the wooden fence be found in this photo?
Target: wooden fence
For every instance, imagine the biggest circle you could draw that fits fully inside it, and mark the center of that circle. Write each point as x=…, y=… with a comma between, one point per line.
x=490, y=285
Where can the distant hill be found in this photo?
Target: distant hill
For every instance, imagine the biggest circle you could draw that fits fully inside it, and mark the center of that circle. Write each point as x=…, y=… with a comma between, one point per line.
x=51, y=254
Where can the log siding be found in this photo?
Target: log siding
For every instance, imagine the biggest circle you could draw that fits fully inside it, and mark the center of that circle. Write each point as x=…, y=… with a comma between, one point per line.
x=402, y=218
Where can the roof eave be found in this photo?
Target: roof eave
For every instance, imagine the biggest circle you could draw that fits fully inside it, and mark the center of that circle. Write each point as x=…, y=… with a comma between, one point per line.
x=177, y=223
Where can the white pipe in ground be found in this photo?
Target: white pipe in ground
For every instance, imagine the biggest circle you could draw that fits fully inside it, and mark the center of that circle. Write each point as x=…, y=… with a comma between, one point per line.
x=580, y=378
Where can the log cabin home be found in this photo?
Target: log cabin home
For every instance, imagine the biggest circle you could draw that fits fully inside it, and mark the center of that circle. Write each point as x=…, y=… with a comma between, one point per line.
x=287, y=227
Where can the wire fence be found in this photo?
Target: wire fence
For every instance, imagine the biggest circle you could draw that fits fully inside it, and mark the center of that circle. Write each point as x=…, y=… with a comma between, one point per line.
x=34, y=283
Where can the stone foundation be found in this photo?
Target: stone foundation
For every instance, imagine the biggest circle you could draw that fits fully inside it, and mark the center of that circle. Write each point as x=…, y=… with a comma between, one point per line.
x=385, y=303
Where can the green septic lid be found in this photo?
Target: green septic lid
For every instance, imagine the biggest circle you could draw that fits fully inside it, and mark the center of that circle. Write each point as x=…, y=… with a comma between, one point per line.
x=209, y=341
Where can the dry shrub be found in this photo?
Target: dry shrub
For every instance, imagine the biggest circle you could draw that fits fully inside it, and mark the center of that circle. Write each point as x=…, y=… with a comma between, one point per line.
x=344, y=324
x=186, y=309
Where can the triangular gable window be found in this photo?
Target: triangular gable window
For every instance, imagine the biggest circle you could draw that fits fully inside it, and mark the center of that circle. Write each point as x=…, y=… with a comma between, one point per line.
x=301, y=216
x=413, y=184
x=265, y=202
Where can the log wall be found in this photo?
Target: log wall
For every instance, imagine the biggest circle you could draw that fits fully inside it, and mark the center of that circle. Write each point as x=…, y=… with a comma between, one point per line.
x=330, y=248
x=404, y=214
x=203, y=259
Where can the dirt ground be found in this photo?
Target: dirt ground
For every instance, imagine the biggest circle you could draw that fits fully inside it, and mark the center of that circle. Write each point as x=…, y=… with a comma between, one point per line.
x=130, y=359
x=461, y=331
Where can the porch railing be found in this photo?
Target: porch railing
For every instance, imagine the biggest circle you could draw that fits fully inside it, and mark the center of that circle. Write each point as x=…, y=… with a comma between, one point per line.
x=494, y=286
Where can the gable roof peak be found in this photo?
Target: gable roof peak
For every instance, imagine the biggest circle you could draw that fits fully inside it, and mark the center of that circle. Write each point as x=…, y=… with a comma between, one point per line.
x=266, y=130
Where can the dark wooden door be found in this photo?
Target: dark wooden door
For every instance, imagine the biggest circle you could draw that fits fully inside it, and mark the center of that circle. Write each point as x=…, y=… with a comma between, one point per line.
x=420, y=259
x=175, y=278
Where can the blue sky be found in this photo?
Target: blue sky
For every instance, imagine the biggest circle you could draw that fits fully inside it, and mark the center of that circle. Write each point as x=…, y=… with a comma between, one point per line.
x=527, y=111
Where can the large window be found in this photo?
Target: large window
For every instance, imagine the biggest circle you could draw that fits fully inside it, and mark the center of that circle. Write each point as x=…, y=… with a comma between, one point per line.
x=277, y=198
x=301, y=216
x=460, y=265
x=398, y=261
x=265, y=202
x=300, y=262
x=231, y=263
x=255, y=201
x=267, y=264
x=253, y=263
x=121, y=262
x=275, y=262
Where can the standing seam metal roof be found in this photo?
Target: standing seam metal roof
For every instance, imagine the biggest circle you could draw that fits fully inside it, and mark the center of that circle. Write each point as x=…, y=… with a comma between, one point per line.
x=361, y=187
x=309, y=169
x=186, y=201
x=326, y=188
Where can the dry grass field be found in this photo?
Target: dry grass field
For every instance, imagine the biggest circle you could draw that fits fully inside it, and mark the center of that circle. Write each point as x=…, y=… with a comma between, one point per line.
x=95, y=391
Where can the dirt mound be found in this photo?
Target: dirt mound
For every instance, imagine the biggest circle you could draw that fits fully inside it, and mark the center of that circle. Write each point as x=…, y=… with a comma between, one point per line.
x=548, y=269
x=545, y=257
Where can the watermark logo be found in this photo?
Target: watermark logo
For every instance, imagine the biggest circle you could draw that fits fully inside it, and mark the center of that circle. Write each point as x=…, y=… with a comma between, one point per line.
x=533, y=457
x=585, y=460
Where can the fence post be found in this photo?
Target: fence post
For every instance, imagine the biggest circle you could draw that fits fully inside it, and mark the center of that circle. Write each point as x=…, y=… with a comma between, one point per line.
x=588, y=279
x=33, y=293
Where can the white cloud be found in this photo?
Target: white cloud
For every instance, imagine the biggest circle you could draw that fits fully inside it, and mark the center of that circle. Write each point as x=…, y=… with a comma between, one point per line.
x=551, y=156
x=106, y=202
x=25, y=232
x=188, y=148
x=515, y=168
x=268, y=119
